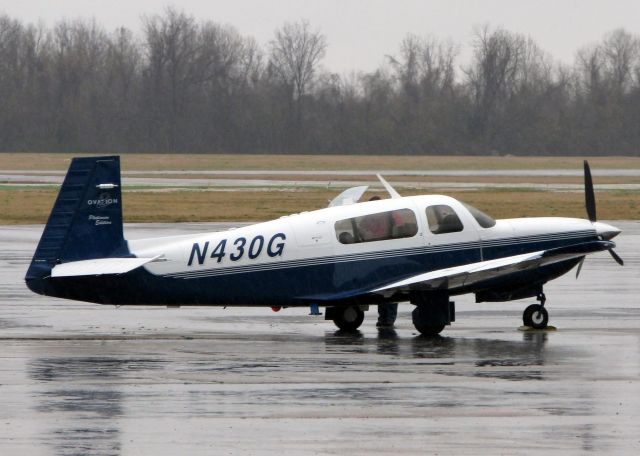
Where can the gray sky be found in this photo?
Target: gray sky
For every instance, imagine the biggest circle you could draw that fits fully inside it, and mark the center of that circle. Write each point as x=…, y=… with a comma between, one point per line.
x=361, y=32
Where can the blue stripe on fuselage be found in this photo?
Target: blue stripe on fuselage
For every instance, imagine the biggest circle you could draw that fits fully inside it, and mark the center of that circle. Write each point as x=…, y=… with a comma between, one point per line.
x=287, y=283
x=491, y=249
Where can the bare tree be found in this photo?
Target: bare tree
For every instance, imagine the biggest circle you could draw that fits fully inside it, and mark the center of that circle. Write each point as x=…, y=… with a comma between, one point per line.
x=492, y=76
x=123, y=65
x=425, y=73
x=590, y=66
x=78, y=51
x=425, y=66
x=221, y=74
x=295, y=53
x=610, y=68
x=190, y=85
x=609, y=79
x=621, y=55
x=171, y=49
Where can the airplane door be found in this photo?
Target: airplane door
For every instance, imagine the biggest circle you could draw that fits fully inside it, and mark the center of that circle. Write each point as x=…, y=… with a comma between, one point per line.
x=373, y=247
x=450, y=234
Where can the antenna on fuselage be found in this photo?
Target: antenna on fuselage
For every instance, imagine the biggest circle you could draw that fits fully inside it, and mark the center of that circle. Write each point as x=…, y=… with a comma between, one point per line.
x=392, y=191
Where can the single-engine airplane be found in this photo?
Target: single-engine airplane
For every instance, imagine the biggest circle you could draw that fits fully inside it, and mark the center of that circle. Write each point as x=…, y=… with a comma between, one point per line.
x=421, y=249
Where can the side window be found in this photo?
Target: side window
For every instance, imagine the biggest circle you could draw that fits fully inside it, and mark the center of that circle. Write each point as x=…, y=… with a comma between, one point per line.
x=382, y=226
x=443, y=219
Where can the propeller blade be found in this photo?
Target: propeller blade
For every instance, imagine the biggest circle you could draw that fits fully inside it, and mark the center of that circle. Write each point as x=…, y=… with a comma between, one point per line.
x=579, y=267
x=616, y=257
x=589, y=196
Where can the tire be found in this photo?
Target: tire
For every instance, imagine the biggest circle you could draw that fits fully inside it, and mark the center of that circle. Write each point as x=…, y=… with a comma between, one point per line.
x=422, y=325
x=349, y=319
x=528, y=312
x=429, y=330
x=535, y=316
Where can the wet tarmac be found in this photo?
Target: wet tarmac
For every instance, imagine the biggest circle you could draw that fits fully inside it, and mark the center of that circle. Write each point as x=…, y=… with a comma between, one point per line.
x=82, y=379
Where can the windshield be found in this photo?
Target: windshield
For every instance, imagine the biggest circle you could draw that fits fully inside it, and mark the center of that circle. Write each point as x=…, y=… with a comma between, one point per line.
x=483, y=219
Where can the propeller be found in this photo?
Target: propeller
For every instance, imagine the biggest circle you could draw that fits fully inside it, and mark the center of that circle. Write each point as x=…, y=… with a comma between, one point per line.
x=579, y=267
x=589, y=195
x=616, y=257
x=590, y=204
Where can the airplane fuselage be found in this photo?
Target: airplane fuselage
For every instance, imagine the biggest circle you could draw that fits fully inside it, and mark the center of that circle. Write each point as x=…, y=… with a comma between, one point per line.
x=305, y=258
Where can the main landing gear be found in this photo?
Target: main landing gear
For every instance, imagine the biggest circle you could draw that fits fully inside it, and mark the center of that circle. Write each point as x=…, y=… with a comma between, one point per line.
x=346, y=318
x=433, y=312
x=536, y=316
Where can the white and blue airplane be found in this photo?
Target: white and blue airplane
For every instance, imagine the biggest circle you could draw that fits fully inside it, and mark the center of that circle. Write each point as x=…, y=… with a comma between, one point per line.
x=346, y=257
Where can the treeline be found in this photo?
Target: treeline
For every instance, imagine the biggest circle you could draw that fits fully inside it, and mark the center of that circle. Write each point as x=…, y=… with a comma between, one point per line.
x=184, y=85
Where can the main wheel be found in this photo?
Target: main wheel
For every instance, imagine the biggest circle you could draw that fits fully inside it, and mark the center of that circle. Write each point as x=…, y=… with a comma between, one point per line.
x=349, y=319
x=422, y=323
x=535, y=316
x=426, y=330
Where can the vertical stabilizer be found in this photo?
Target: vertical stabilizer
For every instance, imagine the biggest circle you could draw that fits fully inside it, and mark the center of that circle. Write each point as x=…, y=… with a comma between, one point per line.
x=86, y=219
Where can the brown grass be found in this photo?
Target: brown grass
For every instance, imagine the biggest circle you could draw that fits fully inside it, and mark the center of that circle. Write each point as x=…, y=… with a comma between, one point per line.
x=163, y=162
x=32, y=205
x=371, y=179
x=18, y=206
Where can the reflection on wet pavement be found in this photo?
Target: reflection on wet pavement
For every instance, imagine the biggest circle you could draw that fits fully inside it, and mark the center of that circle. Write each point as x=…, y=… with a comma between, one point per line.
x=94, y=406
x=79, y=379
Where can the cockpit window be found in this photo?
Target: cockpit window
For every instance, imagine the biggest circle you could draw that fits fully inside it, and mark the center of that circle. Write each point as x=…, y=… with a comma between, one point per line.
x=443, y=219
x=382, y=226
x=483, y=219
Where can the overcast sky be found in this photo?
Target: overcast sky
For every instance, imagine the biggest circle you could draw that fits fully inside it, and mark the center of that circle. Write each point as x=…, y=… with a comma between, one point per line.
x=361, y=32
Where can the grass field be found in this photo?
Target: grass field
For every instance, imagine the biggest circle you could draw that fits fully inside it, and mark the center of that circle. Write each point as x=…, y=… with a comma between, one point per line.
x=20, y=204
x=33, y=205
x=164, y=162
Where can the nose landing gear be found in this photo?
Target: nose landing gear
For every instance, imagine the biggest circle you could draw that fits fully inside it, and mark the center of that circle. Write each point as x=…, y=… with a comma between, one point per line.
x=536, y=316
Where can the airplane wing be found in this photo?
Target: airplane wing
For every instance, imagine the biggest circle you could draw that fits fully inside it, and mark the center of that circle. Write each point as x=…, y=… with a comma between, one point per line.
x=100, y=266
x=469, y=274
x=349, y=196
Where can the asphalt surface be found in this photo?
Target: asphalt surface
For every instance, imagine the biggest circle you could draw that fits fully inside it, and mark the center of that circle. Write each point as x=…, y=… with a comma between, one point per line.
x=334, y=179
x=578, y=172
x=82, y=379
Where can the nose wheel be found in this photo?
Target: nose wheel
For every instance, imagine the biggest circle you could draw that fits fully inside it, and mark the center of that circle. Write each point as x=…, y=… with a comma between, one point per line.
x=536, y=316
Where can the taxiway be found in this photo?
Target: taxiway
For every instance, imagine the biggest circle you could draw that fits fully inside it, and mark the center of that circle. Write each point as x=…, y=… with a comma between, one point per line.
x=78, y=378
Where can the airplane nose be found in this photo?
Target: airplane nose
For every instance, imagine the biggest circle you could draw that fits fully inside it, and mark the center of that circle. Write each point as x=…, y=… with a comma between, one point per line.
x=607, y=232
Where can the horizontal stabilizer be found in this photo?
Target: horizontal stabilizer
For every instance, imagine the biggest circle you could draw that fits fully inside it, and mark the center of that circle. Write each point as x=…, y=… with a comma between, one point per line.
x=101, y=266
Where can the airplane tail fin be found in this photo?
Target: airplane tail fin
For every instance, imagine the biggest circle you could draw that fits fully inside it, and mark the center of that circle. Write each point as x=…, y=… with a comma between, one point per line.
x=86, y=219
